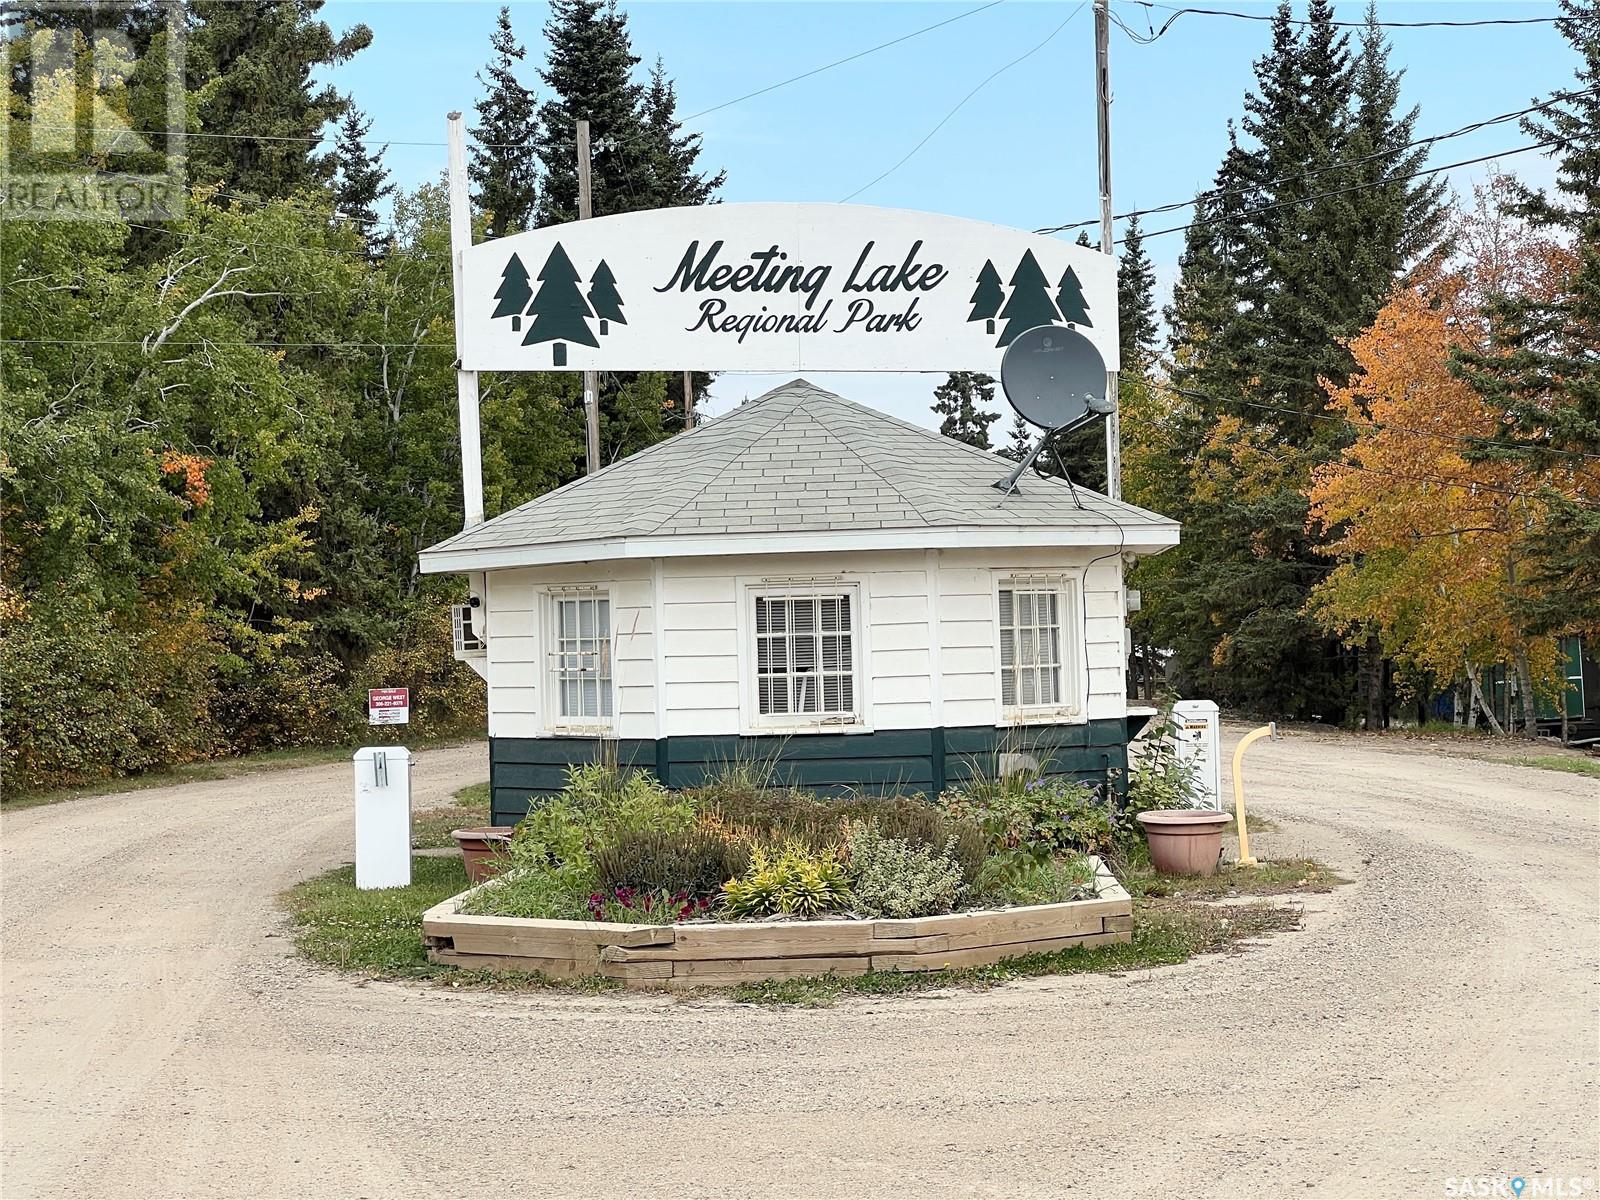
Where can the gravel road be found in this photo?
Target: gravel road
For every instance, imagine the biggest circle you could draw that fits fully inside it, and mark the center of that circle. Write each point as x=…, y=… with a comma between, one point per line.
x=1440, y=1018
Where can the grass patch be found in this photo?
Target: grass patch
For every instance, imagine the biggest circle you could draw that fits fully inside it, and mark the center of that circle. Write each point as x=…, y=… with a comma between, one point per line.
x=1274, y=877
x=1559, y=762
x=1164, y=932
x=206, y=771
x=376, y=932
x=431, y=827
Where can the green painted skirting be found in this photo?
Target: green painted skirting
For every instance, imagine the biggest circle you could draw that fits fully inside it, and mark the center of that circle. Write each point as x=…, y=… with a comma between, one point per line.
x=522, y=770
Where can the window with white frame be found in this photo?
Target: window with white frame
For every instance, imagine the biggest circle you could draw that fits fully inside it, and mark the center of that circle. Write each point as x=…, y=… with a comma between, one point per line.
x=580, y=658
x=805, y=655
x=1032, y=674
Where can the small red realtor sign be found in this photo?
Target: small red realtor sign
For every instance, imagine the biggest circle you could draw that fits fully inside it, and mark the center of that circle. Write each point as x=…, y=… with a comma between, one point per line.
x=388, y=706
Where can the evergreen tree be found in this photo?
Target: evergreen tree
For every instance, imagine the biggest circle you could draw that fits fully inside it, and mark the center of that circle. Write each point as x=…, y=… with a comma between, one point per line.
x=1136, y=303
x=1278, y=272
x=672, y=154
x=1022, y=439
x=251, y=65
x=360, y=179
x=589, y=74
x=504, y=166
x=964, y=401
x=1540, y=369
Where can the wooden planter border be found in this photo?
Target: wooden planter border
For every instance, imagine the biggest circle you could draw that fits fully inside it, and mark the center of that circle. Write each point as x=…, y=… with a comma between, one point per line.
x=717, y=954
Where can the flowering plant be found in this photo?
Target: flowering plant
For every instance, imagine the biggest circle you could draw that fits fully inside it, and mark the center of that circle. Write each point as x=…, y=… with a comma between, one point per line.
x=646, y=908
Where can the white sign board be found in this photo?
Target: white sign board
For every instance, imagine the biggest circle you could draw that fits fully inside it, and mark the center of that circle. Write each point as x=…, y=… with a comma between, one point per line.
x=1197, y=732
x=388, y=706
x=775, y=287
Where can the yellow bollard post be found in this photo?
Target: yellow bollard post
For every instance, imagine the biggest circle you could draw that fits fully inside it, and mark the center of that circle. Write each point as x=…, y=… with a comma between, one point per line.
x=1254, y=735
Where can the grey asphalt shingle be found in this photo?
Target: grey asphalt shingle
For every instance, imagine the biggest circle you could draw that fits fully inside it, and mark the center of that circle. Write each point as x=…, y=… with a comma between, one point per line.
x=798, y=459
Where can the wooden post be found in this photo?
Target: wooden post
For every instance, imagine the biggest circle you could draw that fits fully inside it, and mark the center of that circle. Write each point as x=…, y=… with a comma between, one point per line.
x=1102, y=87
x=466, y=381
x=688, y=399
x=591, y=382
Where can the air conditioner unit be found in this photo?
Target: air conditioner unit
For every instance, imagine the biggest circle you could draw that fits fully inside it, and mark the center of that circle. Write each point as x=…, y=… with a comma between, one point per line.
x=466, y=638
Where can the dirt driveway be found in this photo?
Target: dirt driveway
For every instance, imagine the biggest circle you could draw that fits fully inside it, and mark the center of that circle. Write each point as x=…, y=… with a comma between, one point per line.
x=1440, y=1018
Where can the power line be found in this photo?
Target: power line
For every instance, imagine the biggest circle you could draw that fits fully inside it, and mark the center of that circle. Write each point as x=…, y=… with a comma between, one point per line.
x=962, y=103
x=772, y=87
x=1218, y=193
x=1250, y=212
x=317, y=140
x=1146, y=39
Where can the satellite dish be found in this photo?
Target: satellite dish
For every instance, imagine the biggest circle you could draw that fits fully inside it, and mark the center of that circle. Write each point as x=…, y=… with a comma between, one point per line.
x=1053, y=376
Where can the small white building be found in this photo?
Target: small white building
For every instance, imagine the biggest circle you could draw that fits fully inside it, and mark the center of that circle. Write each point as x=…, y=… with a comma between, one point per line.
x=811, y=582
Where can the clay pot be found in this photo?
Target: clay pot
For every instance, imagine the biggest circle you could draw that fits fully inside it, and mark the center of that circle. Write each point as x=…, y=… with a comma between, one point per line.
x=483, y=849
x=1185, y=841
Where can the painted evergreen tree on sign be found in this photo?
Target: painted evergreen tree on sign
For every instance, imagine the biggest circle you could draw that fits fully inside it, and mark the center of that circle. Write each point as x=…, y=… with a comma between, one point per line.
x=1069, y=299
x=987, y=296
x=559, y=311
x=604, y=297
x=514, y=292
x=1029, y=304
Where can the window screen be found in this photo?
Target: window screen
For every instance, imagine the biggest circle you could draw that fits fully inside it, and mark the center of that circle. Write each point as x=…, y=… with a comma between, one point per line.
x=1030, y=646
x=582, y=657
x=805, y=655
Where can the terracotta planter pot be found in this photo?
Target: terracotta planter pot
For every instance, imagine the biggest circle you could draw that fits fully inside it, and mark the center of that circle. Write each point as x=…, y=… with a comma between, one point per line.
x=483, y=849
x=1185, y=841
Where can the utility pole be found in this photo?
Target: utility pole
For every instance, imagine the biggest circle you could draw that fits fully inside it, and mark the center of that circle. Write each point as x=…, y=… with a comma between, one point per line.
x=688, y=399
x=466, y=381
x=1102, y=83
x=591, y=382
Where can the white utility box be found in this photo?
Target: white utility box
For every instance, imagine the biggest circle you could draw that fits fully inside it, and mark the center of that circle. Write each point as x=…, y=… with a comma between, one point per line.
x=383, y=817
x=1197, y=730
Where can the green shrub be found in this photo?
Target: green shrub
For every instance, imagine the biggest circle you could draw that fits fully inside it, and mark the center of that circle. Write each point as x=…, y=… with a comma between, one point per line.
x=794, y=881
x=696, y=862
x=1020, y=877
x=892, y=877
x=614, y=801
x=818, y=823
x=1048, y=815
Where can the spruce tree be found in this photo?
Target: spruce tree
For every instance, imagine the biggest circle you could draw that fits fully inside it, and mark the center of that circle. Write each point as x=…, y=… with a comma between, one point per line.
x=1278, y=271
x=360, y=179
x=671, y=153
x=1136, y=303
x=964, y=401
x=251, y=65
x=1540, y=369
x=504, y=165
x=589, y=76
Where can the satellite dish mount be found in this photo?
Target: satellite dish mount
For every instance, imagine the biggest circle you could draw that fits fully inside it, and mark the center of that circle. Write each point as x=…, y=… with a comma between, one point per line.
x=1055, y=379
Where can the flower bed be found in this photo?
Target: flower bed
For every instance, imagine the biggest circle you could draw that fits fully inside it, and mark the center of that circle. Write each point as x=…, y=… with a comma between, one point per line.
x=714, y=954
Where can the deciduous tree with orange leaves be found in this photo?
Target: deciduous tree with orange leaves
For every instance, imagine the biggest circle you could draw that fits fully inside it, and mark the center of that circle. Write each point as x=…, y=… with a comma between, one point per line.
x=1433, y=545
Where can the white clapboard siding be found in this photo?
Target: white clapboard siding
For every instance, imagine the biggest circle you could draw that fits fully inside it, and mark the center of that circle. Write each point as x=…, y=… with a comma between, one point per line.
x=684, y=678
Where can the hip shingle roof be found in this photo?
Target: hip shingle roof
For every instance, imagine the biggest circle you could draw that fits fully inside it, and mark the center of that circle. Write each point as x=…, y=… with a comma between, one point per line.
x=797, y=460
